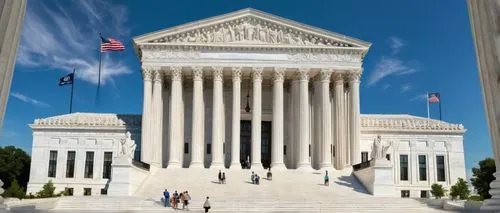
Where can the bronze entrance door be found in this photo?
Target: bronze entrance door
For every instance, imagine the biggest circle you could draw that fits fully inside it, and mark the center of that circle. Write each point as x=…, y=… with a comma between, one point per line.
x=246, y=142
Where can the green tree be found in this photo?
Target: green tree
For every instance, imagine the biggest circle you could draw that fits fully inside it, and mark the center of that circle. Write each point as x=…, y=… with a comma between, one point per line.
x=460, y=190
x=437, y=190
x=483, y=176
x=14, y=191
x=14, y=165
x=47, y=190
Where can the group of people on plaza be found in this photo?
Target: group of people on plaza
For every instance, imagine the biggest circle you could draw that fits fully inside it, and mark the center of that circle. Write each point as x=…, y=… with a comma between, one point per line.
x=176, y=198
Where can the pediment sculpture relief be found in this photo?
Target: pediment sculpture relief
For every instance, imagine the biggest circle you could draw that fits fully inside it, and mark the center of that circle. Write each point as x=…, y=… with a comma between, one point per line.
x=250, y=30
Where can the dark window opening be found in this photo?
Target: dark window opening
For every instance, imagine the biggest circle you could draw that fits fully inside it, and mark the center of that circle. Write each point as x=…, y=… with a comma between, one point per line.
x=440, y=168
x=424, y=194
x=52, y=164
x=108, y=159
x=403, y=167
x=70, y=164
x=388, y=157
x=186, y=148
x=364, y=157
x=68, y=191
x=422, y=167
x=104, y=191
x=87, y=191
x=89, y=165
x=284, y=150
x=405, y=193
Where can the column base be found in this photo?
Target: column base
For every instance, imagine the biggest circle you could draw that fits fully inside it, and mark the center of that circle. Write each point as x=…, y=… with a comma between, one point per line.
x=196, y=165
x=217, y=165
x=235, y=165
x=326, y=166
x=256, y=166
x=304, y=167
x=493, y=204
x=278, y=166
x=174, y=165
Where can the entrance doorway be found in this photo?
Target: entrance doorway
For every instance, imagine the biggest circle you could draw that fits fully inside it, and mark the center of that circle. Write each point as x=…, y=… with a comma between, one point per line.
x=246, y=142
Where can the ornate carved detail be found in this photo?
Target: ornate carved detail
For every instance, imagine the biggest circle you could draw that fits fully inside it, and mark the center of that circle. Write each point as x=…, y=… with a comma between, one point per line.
x=197, y=73
x=236, y=74
x=325, y=75
x=147, y=74
x=89, y=120
x=157, y=76
x=338, y=78
x=176, y=73
x=257, y=73
x=251, y=30
x=354, y=77
x=160, y=53
x=302, y=74
x=218, y=73
x=279, y=74
x=323, y=57
x=408, y=123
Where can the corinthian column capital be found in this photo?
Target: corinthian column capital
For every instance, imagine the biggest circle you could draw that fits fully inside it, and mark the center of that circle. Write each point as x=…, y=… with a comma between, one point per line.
x=236, y=73
x=325, y=75
x=147, y=74
x=257, y=73
x=218, y=73
x=158, y=76
x=176, y=73
x=279, y=74
x=197, y=73
x=338, y=78
x=353, y=77
x=302, y=74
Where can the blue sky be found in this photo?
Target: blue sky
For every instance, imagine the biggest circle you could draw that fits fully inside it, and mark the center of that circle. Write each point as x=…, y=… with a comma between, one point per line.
x=417, y=46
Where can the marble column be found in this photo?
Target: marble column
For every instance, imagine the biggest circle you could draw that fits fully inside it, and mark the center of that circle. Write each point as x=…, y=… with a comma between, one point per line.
x=303, y=158
x=256, y=117
x=325, y=121
x=157, y=118
x=235, y=130
x=146, y=146
x=278, y=124
x=484, y=17
x=354, y=114
x=176, y=115
x=197, y=140
x=217, y=137
x=11, y=24
x=339, y=121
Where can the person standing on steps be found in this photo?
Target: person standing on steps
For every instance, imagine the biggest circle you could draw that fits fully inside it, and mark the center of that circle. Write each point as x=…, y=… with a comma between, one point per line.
x=269, y=174
x=220, y=177
x=187, y=198
x=327, y=179
x=223, y=178
x=206, y=205
x=166, y=194
x=176, y=199
x=253, y=178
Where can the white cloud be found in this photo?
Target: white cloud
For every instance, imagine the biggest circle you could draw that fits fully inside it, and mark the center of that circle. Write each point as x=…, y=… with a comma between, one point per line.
x=63, y=37
x=406, y=88
x=396, y=44
x=386, y=86
x=390, y=66
x=420, y=97
x=27, y=99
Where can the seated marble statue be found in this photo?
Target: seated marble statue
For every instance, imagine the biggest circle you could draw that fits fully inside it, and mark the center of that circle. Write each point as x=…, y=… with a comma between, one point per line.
x=127, y=147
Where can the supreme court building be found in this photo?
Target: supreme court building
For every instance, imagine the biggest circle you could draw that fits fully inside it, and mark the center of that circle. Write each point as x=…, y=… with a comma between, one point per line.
x=247, y=86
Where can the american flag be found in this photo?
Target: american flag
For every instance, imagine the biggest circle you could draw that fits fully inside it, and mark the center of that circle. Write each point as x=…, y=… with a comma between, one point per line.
x=110, y=44
x=433, y=97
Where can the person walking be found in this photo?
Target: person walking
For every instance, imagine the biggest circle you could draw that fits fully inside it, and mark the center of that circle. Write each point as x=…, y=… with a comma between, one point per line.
x=206, y=205
x=327, y=179
x=269, y=174
x=187, y=198
x=166, y=194
x=176, y=199
x=181, y=196
x=253, y=178
x=223, y=178
x=220, y=177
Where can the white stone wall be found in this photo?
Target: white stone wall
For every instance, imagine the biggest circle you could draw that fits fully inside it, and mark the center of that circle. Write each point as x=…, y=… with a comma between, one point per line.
x=80, y=141
x=413, y=144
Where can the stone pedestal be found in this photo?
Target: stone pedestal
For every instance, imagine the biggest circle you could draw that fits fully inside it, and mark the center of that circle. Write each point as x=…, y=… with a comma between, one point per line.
x=378, y=178
x=125, y=178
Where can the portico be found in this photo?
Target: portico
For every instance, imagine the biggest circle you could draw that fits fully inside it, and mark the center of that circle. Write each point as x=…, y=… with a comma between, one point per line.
x=202, y=79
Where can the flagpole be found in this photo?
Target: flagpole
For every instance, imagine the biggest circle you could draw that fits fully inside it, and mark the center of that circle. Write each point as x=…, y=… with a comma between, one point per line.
x=440, y=100
x=99, y=73
x=72, y=87
x=428, y=110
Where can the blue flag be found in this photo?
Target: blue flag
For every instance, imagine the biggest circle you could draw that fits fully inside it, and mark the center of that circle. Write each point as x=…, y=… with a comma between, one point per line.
x=68, y=79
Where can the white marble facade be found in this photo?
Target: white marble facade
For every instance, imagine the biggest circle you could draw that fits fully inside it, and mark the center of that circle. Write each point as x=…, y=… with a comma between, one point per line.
x=285, y=95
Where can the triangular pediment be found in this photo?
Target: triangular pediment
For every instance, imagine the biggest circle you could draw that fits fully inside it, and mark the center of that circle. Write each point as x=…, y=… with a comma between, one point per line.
x=250, y=27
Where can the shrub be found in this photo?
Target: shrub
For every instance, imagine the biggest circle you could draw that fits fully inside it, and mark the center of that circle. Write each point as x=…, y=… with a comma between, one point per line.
x=14, y=191
x=475, y=198
x=437, y=190
x=47, y=190
x=460, y=190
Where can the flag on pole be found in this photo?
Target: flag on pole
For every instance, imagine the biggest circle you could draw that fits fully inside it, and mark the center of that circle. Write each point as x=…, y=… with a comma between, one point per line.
x=110, y=44
x=68, y=79
x=433, y=97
